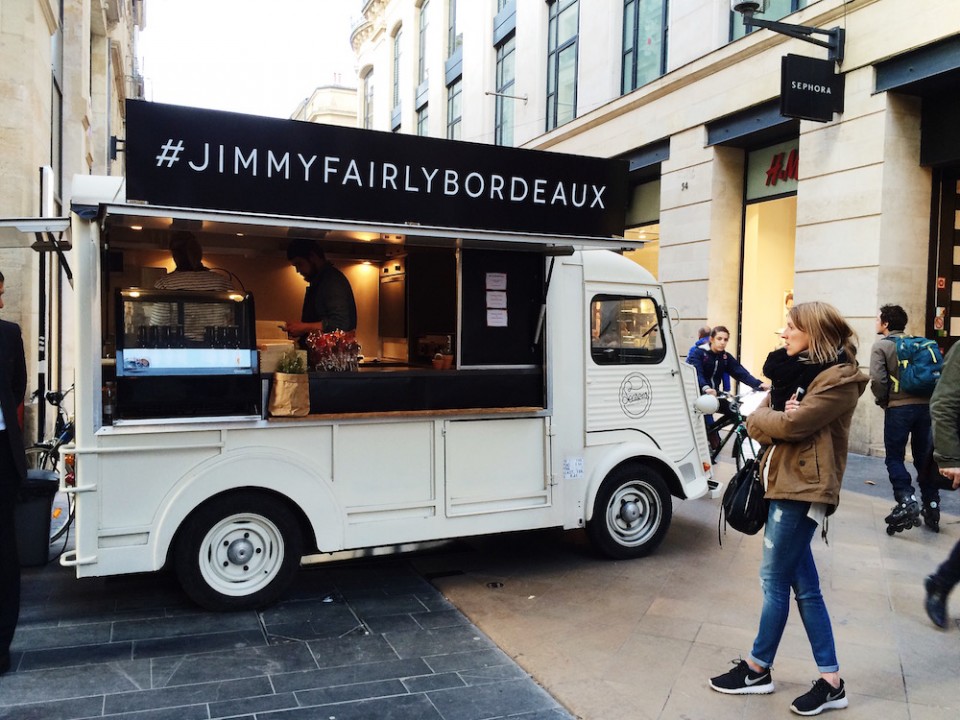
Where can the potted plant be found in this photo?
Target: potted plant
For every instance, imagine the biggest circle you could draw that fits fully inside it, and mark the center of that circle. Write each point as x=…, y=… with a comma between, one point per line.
x=290, y=392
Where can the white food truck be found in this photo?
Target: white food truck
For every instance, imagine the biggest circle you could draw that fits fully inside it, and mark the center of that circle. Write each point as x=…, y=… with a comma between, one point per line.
x=565, y=403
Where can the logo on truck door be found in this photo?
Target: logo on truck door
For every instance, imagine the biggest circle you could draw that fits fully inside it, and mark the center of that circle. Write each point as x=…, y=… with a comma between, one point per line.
x=636, y=394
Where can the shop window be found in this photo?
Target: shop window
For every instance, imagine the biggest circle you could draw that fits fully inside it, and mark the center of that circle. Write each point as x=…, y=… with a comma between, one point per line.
x=625, y=330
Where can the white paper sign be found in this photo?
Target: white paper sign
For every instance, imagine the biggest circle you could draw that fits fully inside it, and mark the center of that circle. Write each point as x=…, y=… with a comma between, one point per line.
x=496, y=281
x=496, y=299
x=496, y=318
x=572, y=468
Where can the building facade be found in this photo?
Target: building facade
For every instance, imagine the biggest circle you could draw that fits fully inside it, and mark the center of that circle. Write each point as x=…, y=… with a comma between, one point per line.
x=66, y=68
x=745, y=209
x=334, y=104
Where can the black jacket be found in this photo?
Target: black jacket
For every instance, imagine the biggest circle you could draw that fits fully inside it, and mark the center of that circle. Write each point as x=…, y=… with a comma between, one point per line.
x=13, y=385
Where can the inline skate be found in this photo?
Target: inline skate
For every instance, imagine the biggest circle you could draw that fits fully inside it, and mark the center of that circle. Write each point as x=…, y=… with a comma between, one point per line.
x=905, y=515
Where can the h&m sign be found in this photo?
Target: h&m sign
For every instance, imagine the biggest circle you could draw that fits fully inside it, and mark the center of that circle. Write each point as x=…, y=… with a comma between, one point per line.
x=810, y=89
x=195, y=158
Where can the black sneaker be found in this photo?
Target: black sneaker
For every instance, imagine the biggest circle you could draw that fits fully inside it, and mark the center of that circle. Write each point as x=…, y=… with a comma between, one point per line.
x=935, y=602
x=822, y=696
x=743, y=681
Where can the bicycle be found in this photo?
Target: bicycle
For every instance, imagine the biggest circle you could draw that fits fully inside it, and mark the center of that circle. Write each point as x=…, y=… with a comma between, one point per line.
x=45, y=455
x=732, y=417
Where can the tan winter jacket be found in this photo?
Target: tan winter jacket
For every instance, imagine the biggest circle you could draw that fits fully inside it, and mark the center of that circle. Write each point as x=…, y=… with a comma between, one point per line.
x=811, y=442
x=883, y=368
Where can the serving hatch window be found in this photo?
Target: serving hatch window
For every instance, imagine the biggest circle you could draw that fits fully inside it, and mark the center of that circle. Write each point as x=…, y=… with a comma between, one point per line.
x=625, y=330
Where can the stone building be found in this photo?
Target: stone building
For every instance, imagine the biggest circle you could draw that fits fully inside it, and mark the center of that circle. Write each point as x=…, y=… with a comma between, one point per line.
x=745, y=209
x=66, y=68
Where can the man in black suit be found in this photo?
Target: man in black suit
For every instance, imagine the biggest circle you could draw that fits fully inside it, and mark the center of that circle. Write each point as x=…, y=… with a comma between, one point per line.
x=13, y=470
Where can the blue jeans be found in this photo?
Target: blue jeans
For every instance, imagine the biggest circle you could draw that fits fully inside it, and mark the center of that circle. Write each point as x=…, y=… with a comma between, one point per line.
x=899, y=423
x=788, y=563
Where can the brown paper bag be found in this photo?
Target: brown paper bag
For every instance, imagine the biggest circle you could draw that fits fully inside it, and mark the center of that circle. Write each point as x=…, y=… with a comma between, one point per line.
x=290, y=395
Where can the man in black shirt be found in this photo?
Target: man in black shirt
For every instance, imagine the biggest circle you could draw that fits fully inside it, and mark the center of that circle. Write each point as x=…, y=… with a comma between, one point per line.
x=13, y=470
x=328, y=303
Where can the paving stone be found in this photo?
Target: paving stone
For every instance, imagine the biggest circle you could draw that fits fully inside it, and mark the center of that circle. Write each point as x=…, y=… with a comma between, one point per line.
x=425, y=683
x=351, y=650
x=468, y=660
x=196, y=644
x=405, y=707
x=46, y=685
x=356, y=691
x=386, y=605
x=39, y=638
x=258, y=704
x=243, y=663
x=70, y=657
x=347, y=674
x=441, y=641
x=186, y=695
x=183, y=626
x=57, y=710
x=489, y=701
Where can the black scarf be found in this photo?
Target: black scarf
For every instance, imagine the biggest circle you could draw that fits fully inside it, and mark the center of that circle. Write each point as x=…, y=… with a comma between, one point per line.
x=788, y=374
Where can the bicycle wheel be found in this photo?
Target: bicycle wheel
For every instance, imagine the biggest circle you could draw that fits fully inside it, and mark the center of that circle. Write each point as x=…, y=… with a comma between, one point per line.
x=39, y=458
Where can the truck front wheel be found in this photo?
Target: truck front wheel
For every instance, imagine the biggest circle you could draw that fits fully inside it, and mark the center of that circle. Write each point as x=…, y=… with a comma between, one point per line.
x=238, y=552
x=632, y=512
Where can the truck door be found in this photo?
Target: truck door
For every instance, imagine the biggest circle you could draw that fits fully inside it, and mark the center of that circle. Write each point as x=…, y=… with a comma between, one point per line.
x=633, y=382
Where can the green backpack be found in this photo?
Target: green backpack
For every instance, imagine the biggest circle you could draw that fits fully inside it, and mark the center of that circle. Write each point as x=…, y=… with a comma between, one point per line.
x=919, y=362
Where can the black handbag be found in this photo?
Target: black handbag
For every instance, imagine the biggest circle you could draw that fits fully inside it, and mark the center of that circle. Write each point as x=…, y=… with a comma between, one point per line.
x=743, y=506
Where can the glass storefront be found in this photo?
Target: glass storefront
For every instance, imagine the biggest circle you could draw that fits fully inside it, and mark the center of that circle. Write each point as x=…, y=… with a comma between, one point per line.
x=769, y=240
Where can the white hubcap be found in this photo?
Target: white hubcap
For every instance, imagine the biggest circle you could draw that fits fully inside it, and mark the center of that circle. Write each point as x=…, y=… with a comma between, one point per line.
x=241, y=554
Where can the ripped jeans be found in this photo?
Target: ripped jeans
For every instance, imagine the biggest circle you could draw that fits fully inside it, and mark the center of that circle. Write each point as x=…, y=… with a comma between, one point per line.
x=788, y=563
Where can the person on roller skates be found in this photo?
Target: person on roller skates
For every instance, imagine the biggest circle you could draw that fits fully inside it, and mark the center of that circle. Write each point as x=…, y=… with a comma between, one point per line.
x=906, y=416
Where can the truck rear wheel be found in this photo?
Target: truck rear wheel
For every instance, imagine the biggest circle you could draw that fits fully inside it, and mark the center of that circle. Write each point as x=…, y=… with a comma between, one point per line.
x=632, y=512
x=238, y=552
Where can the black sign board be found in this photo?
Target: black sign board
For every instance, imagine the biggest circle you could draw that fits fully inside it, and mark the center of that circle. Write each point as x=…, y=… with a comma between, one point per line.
x=195, y=158
x=810, y=89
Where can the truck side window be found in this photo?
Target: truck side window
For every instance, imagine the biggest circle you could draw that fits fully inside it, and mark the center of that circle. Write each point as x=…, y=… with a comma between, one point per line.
x=625, y=330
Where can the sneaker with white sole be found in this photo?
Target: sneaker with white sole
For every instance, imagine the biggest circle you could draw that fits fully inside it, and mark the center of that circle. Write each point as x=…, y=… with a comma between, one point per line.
x=822, y=696
x=742, y=680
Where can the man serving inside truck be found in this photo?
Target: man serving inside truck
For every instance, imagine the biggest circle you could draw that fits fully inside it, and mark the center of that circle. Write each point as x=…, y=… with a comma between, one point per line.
x=328, y=303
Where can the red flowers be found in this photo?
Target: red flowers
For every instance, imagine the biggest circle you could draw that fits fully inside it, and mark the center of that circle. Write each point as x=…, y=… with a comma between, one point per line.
x=335, y=351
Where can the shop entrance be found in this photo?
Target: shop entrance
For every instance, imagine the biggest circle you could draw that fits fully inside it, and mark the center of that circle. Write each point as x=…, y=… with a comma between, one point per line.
x=945, y=258
x=769, y=241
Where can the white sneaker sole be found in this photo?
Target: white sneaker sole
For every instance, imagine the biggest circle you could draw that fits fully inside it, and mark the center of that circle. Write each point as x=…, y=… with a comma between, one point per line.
x=746, y=690
x=829, y=705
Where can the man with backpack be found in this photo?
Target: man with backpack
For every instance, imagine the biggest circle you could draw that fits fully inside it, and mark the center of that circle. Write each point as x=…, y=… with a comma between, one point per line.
x=903, y=373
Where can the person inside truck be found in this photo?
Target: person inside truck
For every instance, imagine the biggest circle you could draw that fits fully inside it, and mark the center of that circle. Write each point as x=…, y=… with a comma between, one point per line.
x=328, y=303
x=191, y=274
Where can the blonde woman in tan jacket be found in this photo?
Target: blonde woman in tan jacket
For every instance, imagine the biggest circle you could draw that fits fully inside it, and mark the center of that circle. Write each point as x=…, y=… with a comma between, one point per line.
x=806, y=425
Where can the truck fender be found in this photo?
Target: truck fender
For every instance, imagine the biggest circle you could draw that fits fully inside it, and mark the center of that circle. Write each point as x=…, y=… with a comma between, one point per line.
x=610, y=457
x=289, y=476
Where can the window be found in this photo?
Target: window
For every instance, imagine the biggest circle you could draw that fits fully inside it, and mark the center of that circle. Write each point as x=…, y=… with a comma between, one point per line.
x=422, y=117
x=454, y=38
x=396, y=67
x=776, y=9
x=562, y=62
x=454, y=109
x=422, y=43
x=506, y=76
x=625, y=330
x=501, y=4
x=644, y=42
x=368, y=101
